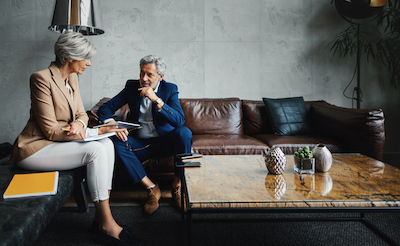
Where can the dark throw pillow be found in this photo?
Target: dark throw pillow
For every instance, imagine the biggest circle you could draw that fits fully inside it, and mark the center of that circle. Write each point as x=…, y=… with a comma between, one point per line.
x=288, y=116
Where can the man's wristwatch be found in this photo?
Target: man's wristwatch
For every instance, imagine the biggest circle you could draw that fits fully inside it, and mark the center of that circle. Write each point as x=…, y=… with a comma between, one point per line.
x=159, y=101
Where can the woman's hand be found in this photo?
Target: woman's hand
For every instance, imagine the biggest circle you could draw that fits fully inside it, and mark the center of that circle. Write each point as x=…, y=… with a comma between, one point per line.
x=76, y=128
x=122, y=133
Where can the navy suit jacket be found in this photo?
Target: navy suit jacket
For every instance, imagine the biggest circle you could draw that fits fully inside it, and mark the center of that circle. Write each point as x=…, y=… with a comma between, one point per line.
x=165, y=121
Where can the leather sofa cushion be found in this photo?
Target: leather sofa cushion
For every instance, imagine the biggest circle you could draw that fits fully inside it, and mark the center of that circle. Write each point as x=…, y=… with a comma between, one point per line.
x=210, y=144
x=288, y=116
x=213, y=116
x=255, y=120
x=290, y=144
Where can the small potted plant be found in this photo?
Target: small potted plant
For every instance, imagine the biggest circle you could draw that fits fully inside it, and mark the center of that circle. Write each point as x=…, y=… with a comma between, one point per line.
x=304, y=163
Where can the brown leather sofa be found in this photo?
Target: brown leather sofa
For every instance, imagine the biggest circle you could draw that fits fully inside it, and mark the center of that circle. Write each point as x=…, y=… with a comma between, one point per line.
x=230, y=126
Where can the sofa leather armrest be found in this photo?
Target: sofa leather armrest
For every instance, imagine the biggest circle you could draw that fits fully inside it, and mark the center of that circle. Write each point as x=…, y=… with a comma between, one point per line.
x=360, y=130
x=93, y=119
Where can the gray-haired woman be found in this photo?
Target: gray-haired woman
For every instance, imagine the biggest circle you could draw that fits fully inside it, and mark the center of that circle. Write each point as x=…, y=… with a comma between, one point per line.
x=57, y=118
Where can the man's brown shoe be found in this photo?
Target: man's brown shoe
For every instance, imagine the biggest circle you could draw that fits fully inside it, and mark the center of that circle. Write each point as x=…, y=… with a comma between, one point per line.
x=151, y=204
x=177, y=197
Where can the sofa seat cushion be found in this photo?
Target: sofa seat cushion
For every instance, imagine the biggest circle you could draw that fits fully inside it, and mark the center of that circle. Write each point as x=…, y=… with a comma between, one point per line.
x=227, y=145
x=290, y=144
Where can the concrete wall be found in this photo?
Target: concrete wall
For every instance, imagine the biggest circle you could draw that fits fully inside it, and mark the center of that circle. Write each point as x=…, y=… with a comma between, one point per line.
x=213, y=48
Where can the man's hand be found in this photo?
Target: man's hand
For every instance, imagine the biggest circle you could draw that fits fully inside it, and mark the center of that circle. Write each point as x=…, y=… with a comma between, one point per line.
x=122, y=133
x=76, y=128
x=148, y=92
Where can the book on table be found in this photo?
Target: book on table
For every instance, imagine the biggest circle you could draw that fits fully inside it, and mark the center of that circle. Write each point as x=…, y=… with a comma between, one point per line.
x=32, y=184
x=186, y=160
x=188, y=164
x=188, y=156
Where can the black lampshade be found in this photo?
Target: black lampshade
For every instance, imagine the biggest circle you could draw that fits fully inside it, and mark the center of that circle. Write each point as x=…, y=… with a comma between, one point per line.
x=359, y=9
x=76, y=15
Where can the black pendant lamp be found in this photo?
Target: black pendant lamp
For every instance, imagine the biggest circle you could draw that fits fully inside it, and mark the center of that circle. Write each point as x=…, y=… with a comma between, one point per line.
x=76, y=15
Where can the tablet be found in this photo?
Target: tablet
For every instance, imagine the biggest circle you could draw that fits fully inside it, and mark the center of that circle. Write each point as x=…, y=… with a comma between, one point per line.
x=121, y=124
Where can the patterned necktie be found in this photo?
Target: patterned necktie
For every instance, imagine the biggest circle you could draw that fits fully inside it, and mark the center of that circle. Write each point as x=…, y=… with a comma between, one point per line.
x=145, y=109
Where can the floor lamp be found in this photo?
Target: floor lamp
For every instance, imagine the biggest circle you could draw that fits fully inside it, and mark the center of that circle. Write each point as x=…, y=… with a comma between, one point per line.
x=357, y=12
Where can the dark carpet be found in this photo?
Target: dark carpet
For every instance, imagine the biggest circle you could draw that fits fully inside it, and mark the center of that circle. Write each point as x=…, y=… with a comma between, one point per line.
x=166, y=228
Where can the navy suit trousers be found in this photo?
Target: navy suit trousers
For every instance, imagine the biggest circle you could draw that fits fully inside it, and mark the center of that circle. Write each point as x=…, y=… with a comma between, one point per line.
x=134, y=151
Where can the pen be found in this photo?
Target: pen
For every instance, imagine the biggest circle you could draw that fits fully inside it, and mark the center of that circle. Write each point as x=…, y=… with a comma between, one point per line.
x=66, y=129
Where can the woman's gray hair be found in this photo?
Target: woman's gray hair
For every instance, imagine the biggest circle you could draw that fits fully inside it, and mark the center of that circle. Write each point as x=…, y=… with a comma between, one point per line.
x=158, y=61
x=74, y=46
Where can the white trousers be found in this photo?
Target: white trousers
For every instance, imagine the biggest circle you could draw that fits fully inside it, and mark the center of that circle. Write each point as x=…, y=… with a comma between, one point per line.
x=97, y=156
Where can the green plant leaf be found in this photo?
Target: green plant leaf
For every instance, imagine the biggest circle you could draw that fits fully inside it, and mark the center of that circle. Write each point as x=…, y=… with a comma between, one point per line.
x=382, y=44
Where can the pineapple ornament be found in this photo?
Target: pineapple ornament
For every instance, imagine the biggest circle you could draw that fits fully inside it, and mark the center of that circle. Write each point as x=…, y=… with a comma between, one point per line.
x=275, y=160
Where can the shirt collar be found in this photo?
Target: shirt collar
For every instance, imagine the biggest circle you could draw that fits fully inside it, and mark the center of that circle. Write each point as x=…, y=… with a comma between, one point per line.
x=156, y=89
x=66, y=82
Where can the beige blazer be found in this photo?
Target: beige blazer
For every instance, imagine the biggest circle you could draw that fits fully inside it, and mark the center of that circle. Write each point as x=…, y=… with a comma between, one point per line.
x=52, y=108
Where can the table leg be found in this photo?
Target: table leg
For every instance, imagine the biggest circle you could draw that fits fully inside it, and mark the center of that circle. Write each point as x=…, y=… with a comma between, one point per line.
x=189, y=228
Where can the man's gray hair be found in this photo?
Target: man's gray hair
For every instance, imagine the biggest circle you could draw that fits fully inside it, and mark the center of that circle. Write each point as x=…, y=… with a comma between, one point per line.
x=158, y=61
x=74, y=46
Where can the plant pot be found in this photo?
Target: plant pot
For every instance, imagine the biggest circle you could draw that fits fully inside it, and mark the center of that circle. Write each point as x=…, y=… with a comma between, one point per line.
x=304, y=165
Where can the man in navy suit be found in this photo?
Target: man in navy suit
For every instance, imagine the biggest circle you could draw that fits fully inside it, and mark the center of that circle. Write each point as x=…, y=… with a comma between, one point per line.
x=154, y=104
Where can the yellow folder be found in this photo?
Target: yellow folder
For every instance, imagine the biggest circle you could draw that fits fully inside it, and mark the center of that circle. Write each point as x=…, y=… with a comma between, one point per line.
x=32, y=184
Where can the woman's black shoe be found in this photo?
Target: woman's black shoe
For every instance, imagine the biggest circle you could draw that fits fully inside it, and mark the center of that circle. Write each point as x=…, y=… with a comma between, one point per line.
x=128, y=239
x=125, y=237
x=95, y=226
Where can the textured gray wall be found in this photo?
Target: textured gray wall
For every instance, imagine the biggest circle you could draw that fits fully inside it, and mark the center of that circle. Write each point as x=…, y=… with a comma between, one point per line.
x=213, y=48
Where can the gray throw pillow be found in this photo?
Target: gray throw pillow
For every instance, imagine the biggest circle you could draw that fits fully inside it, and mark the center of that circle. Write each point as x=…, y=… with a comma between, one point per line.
x=288, y=116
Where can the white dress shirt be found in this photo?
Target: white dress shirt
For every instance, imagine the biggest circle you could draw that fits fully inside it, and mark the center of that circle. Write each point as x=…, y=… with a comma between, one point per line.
x=89, y=132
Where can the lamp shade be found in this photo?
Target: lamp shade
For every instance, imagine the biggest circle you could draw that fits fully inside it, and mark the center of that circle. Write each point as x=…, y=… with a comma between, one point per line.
x=359, y=9
x=76, y=15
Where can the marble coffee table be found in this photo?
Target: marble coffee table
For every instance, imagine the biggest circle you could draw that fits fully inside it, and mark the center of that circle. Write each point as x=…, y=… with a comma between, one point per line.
x=241, y=183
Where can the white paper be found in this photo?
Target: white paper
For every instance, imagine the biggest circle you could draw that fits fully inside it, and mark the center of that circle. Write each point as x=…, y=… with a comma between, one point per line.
x=98, y=137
